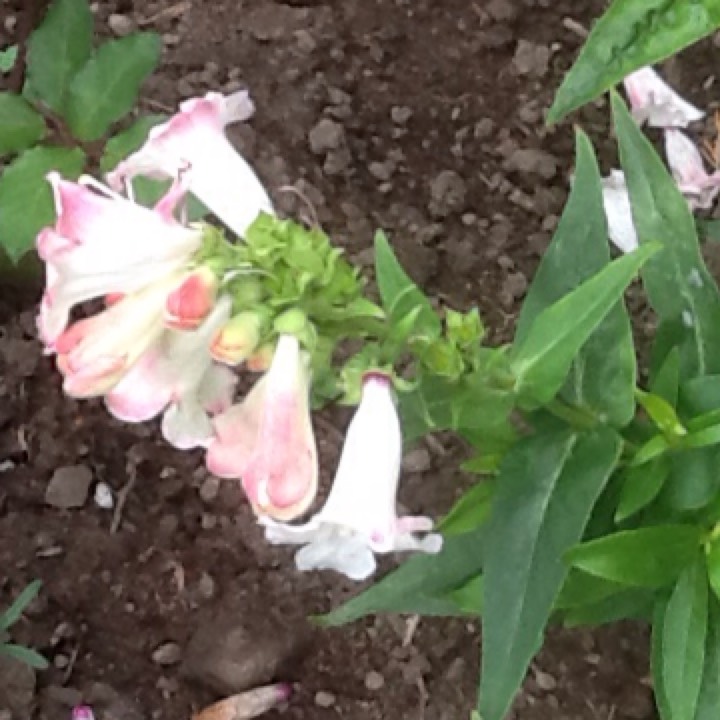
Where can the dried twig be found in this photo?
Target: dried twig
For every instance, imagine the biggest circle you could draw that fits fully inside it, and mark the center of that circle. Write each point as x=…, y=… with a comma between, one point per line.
x=122, y=497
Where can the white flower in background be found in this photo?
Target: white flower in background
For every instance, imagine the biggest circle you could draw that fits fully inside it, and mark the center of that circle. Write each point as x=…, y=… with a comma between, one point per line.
x=653, y=101
x=102, y=243
x=688, y=169
x=194, y=140
x=616, y=200
x=360, y=518
x=177, y=376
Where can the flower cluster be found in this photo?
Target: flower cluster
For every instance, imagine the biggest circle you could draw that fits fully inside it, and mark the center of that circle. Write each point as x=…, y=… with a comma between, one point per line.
x=183, y=307
x=654, y=102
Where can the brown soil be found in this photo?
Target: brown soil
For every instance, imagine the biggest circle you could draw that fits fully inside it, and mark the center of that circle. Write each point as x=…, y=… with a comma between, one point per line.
x=433, y=100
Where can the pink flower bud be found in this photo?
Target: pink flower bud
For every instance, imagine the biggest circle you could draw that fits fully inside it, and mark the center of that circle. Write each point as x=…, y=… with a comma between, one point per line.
x=190, y=303
x=261, y=359
x=237, y=339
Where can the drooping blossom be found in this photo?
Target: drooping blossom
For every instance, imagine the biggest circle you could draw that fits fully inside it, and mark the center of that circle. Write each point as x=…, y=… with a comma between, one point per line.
x=688, y=169
x=104, y=244
x=653, y=101
x=268, y=439
x=360, y=518
x=178, y=377
x=194, y=140
x=618, y=212
x=95, y=353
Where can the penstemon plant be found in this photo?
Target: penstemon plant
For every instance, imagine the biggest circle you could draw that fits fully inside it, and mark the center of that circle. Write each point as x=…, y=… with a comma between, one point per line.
x=598, y=496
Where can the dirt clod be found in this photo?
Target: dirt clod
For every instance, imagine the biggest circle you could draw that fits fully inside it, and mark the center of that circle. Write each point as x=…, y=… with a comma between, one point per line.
x=69, y=487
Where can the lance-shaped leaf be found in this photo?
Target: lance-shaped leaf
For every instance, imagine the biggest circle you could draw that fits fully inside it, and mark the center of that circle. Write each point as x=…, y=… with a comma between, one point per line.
x=400, y=295
x=631, y=34
x=602, y=382
x=57, y=50
x=678, y=284
x=709, y=698
x=107, y=86
x=542, y=359
x=679, y=659
x=546, y=490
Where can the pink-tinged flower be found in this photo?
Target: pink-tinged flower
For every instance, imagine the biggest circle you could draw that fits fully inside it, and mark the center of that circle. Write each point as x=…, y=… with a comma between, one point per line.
x=190, y=303
x=237, y=339
x=688, y=169
x=653, y=101
x=618, y=212
x=82, y=712
x=95, y=353
x=193, y=140
x=103, y=244
x=360, y=515
x=268, y=440
x=177, y=376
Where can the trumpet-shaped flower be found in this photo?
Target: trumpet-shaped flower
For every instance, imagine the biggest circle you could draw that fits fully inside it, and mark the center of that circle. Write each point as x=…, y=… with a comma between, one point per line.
x=177, y=376
x=194, y=140
x=688, y=169
x=653, y=101
x=616, y=200
x=103, y=244
x=360, y=518
x=95, y=353
x=268, y=440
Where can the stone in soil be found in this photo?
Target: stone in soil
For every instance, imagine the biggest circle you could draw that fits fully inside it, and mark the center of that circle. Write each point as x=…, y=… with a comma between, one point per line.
x=68, y=487
x=17, y=687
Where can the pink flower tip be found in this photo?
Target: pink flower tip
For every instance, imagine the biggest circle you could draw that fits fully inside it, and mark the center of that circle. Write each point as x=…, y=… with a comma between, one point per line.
x=82, y=712
x=189, y=304
x=285, y=691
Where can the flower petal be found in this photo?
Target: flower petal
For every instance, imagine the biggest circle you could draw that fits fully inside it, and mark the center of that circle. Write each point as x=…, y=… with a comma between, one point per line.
x=616, y=199
x=186, y=425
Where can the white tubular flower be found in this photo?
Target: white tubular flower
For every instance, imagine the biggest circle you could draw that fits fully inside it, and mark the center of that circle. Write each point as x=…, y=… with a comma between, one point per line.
x=653, y=101
x=360, y=518
x=616, y=199
x=194, y=140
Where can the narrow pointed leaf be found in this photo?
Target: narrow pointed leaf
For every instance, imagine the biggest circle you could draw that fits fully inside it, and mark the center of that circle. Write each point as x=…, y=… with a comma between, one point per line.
x=661, y=214
x=26, y=655
x=542, y=359
x=630, y=34
x=13, y=613
x=684, y=630
x=546, y=490
x=601, y=381
x=709, y=698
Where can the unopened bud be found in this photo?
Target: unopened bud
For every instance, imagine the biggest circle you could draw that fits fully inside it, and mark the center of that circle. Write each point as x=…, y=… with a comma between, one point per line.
x=261, y=359
x=237, y=339
x=189, y=304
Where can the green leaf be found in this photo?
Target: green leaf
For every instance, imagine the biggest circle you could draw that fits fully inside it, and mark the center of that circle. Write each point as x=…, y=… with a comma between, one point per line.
x=641, y=485
x=542, y=359
x=148, y=192
x=26, y=655
x=400, y=295
x=423, y=584
x=13, y=613
x=470, y=403
x=582, y=589
x=128, y=141
x=661, y=214
x=666, y=382
x=546, y=489
x=57, y=50
x=693, y=480
x=700, y=395
x=470, y=511
x=684, y=630
x=712, y=560
x=630, y=604
x=709, y=698
x=631, y=34
x=662, y=413
x=26, y=203
x=8, y=58
x=107, y=87
x=600, y=381
x=20, y=125
x=648, y=557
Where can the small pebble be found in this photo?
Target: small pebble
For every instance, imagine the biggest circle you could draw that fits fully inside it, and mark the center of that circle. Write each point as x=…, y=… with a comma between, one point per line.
x=374, y=680
x=545, y=681
x=167, y=654
x=324, y=699
x=103, y=496
x=121, y=25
